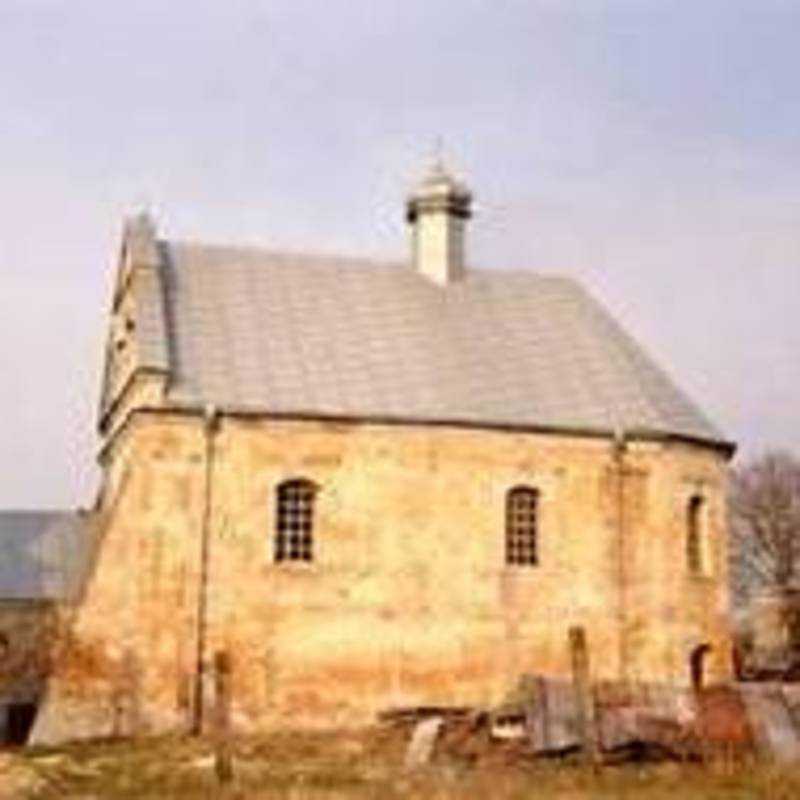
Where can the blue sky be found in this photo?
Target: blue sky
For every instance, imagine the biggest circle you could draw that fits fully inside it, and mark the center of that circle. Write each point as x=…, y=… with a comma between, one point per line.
x=650, y=149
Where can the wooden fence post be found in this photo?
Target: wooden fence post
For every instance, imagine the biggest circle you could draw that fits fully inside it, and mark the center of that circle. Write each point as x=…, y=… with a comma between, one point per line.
x=584, y=702
x=543, y=702
x=223, y=763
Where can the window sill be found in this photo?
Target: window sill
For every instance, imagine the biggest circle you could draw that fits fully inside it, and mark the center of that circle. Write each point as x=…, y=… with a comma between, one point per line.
x=292, y=567
x=521, y=570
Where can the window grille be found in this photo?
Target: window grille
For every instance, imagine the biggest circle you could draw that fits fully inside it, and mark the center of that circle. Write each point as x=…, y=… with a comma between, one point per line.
x=694, y=547
x=522, y=508
x=294, y=529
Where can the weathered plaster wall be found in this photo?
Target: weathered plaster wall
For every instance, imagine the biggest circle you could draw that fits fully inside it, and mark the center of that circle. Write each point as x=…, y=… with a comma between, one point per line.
x=408, y=600
x=127, y=663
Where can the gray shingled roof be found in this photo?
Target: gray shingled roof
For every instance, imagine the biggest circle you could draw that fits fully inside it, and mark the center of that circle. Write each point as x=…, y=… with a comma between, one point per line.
x=289, y=334
x=44, y=555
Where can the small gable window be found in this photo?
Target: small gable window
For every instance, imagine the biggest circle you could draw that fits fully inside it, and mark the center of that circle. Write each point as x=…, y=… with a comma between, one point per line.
x=694, y=534
x=294, y=525
x=522, y=513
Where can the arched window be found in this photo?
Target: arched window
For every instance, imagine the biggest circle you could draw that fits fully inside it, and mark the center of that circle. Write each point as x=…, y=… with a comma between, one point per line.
x=697, y=665
x=522, y=508
x=294, y=524
x=694, y=532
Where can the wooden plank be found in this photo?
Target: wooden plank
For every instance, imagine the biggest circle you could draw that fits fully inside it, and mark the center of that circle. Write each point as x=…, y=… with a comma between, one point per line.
x=420, y=748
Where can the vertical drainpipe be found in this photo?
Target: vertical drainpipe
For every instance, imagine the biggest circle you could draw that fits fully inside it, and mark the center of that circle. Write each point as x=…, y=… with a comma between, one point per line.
x=619, y=448
x=210, y=427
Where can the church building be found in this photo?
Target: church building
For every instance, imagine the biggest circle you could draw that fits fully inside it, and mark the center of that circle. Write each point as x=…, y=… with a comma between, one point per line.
x=367, y=486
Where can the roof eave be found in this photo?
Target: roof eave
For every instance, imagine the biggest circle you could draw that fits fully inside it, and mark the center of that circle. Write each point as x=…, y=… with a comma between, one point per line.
x=641, y=434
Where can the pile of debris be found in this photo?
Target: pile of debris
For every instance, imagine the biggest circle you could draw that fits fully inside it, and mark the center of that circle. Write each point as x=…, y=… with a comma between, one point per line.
x=547, y=718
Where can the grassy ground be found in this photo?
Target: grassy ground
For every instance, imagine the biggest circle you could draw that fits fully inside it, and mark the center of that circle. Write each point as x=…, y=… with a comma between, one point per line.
x=356, y=766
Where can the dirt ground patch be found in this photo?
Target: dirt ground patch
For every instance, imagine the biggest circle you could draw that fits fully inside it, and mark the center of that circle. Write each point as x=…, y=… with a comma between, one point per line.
x=356, y=765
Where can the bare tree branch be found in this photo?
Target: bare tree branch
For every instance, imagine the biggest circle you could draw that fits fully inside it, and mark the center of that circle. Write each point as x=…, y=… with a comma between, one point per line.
x=765, y=517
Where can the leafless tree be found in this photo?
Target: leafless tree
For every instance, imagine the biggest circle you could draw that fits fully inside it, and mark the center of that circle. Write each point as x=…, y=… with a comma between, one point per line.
x=765, y=522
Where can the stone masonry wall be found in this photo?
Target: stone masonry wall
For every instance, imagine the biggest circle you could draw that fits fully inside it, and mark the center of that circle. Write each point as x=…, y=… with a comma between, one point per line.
x=408, y=600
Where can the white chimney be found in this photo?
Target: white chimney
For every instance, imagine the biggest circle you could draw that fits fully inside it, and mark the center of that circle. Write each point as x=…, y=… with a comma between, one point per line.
x=437, y=212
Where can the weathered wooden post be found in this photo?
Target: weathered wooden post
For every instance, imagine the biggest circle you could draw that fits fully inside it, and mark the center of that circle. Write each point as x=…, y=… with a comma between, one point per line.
x=223, y=763
x=584, y=702
x=543, y=702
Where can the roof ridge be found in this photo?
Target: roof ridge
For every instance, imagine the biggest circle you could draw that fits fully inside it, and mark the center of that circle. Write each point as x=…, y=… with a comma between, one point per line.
x=264, y=250
x=354, y=260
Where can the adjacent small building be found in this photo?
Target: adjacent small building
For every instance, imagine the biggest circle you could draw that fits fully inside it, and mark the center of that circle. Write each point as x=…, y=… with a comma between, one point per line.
x=43, y=563
x=370, y=485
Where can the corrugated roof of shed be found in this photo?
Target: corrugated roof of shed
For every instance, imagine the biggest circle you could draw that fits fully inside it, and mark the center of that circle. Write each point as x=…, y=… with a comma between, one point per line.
x=44, y=555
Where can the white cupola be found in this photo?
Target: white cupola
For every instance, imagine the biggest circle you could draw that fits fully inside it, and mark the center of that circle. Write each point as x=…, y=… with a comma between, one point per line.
x=437, y=212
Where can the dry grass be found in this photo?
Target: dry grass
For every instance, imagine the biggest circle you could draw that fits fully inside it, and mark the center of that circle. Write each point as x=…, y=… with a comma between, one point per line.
x=355, y=766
